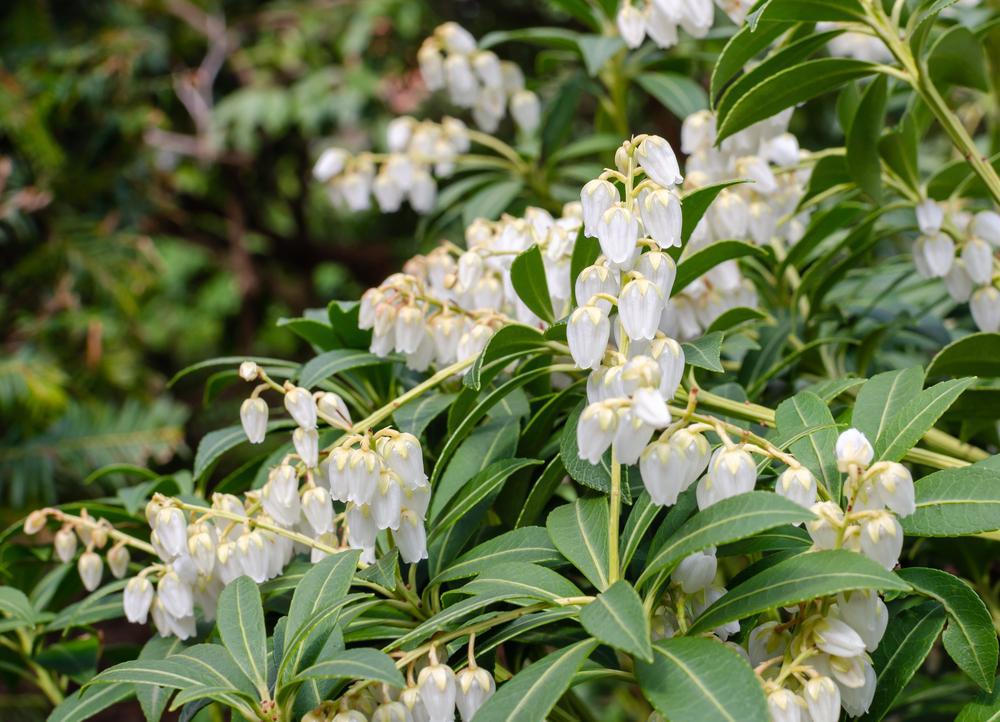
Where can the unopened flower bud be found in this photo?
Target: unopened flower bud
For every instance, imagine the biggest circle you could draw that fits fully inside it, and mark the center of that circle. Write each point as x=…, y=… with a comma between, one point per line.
x=301, y=406
x=137, y=599
x=118, y=559
x=657, y=159
x=631, y=25
x=853, y=447
x=91, y=567
x=306, y=443
x=253, y=416
x=35, y=522
x=249, y=371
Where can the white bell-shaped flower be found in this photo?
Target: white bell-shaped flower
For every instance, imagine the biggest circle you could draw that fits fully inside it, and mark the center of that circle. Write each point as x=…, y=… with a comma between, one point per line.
x=853, y=447
x=118, y=559
x=798, y=485
x=387, y=501
x=473, y=341
x=526, y=110
x=730, y=472
x=825, y=529
x=587, y=332
x=650, y=407
x=90, y=567
x=280, y=495
x=660, y=269
x=175, y=595
x=631, y=25
x=431, y=64
x=698, y=129
x=767, y=642
x=363, y=468
x=170, y=526
x=301, y=406
x=631, y=438
x=596, y=197
x=866, y=613
x=894, y=487
x=670, y=356
x=455, y=38
x=762, y=222
x=409, y=329
x=361, y=530
x=657, y=159
x=986, y=225
x=882, y=539
x=402, y=454
x=958, y=283
x=729, y=215
x=785, y=706
x=332, y=405
x=661, y=28
x=411, y=537
x=977, y=255
x=660, y=211
x=330, y=163
x=487, y=67
x=306, y=442
x=639, y=308
x=65, y=544
x=822, y=698
x=664, y=468
x=388, y=193
x=594, y=280
x=423, y=192
x=474, y=685
x=391, y=712
x=696, y=572
x=595, y=431
x=857, y=700
x=137, y=599
x=438, y=692
x=985, y=308
x=930, y=216
x=252, y=555
x=618, y=233
x=837, y=638
x=933, y=255
x=317, y=508
x=253, y=416
x=201, y=549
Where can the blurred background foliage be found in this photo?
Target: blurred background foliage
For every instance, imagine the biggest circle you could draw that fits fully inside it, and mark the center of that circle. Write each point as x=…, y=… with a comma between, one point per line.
x=156, y=206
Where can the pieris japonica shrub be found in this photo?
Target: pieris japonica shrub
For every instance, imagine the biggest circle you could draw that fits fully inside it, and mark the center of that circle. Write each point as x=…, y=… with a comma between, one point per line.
x=663, y=424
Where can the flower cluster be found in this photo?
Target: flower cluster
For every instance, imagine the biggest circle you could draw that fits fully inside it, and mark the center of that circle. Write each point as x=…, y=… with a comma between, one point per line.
x=817, y=662
x=94, y=534
x=419, y=152
x=693, y=589
x=447, y=304
x=660, y=19
x=477, y=79
x=433, y=697
x=960, y=248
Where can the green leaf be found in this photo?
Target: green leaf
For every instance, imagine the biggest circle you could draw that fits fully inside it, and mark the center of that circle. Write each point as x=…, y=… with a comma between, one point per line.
x=550, y=37
x=560, y=112
x=985, y=708
x=318, y=333
x=529, y=544
x=542, y=490
x=916, y=417
x=742, y=47
x=970, y=638
x=881, y=398
x=726, y=521
x=493, y=441
x=154, y=699
x=522, y=580
x=957, y=58
x=534, y=691
x=957, y=502
x=414, y=418
x=101, y=605
x=357, y=664
x=326, y=582
x=383, y=571
x=705, y=352
x=216, y=443
x=527, y=275
x=228, y=361
x=907, y=642
x=481, y=486
x=337, y=361
x=596, y=50
x=800, y=578
x=701, y=679
x=806, y=10
x=513, y=338
x=863, y=137
x=86, y=703
x=491, y=201
x=240, y=621
x=709, y=257
x=594, y=476
x=616, y=618
x=642, y=515
x=15, y=605
x=696, y=203
x=816, y=450
x=585, y=252
x=580, y=532
x=678, y=93
x=977, y=354
x=736, y=317
x=788, y=88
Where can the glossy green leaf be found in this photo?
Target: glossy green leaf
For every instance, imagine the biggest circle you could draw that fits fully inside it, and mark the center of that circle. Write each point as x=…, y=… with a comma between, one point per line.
x=977, y=354
x=491, y=201
x=957, y=58
x=916, y=417
x=985, y=708
x=416, y=417
x=325, y=583
x=907, y=642
x=597, y=50
x=815, y=451
x=580, y=532
x=356, y=664
x=337, y=361
x=87, y=703
x=743, y=46
x=522, y=579
x=881, y=397
x=534, y=691
x=863, y=137
x=594, y=476
x=529, y=544
x=790, y=87
x=705, y=352
x=216, y=443
x=240, y=621
x=726, y=521
x=701, y=679
x=735, y=317
x=616, y=618
x=970, y=638
x=527, y=276
x=794, y=580
x=695, y=204
x=807, y=10
x=709, y=257
x=678, y=93
x=493, y=441
x=513, y=338
x=956, y=502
